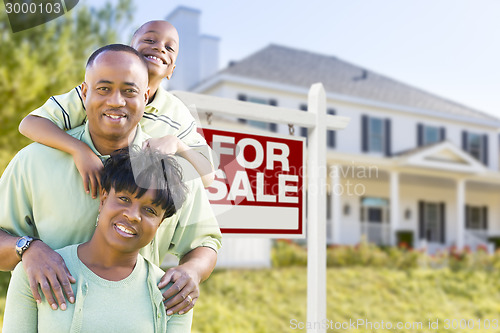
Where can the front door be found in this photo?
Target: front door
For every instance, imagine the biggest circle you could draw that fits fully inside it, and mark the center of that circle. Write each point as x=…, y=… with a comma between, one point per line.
x=432, y=222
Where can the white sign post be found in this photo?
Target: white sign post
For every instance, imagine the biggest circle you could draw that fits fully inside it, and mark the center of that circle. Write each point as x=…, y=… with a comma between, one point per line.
x=316, y=211
x=317, y=122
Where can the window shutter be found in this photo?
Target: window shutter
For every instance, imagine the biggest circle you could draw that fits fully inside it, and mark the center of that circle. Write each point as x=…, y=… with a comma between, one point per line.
x=421, y=222
x=273, y=127
x=485, y=217
x=388, y=137
x=303, y=130
x=442, y=212
x=485, y=149
x=442, y=132
x=467, y=217
x=364, y=133
x=420, y=135
x=243, y=98
x=464, y=140
x=331, y=135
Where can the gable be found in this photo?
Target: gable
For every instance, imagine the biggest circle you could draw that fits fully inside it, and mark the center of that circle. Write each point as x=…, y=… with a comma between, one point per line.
x=443, y=156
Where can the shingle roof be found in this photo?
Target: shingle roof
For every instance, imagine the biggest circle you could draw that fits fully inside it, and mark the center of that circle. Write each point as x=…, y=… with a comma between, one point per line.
x=302, y=68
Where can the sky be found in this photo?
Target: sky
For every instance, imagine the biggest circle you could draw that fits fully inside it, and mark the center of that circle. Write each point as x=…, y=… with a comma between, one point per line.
x=447, y=47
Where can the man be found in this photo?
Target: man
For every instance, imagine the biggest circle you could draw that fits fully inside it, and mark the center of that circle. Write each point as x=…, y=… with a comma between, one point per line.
x=41, y=192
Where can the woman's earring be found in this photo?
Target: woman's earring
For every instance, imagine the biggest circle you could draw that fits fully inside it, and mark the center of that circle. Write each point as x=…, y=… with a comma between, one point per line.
x=97, y=220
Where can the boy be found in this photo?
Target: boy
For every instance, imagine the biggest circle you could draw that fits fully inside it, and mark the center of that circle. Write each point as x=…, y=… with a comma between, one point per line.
x=166, y=118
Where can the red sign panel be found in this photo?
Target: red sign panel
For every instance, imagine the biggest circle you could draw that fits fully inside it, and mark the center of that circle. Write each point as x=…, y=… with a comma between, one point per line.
x=259, y=187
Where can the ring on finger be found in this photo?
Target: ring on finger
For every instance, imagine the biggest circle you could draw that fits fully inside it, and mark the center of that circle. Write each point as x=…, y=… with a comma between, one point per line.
x=189, y=299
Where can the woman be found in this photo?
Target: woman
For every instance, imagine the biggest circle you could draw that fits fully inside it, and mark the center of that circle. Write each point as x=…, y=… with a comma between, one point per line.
x=116, y=288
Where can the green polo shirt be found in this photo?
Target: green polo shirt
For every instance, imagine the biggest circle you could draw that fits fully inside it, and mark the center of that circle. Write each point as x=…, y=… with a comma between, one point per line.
x=42, y=195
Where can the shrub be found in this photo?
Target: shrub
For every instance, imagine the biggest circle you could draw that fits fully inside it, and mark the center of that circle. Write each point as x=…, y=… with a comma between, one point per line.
x=287, y=253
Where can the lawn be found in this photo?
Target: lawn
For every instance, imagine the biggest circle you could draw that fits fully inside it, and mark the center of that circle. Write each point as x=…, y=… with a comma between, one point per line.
x=274, y=300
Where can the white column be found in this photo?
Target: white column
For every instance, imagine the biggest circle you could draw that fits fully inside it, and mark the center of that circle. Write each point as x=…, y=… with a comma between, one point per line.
x=336, y=209
x=394, y=220
x=460, y=213
x=316, y=211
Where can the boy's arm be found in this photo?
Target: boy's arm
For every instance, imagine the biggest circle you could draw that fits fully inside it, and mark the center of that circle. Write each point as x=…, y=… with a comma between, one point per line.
x=171, y=144
x=46, y=132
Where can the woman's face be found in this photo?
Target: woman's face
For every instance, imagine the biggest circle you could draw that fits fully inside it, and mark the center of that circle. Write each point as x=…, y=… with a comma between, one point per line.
x=129, y=223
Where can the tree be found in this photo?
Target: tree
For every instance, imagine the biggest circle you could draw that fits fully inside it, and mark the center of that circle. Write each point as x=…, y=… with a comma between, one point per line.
x=48, y=60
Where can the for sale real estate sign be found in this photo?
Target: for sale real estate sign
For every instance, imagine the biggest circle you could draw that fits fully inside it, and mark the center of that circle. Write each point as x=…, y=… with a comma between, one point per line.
x=259, y=186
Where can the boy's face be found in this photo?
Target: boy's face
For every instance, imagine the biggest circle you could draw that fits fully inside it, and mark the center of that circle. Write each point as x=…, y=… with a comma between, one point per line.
x=158, y=42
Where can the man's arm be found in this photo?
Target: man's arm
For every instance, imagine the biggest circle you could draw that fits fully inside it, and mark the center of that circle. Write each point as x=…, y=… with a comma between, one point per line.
x=194, y=268
x=43, y=266
x=44, y=131
x=8, y=256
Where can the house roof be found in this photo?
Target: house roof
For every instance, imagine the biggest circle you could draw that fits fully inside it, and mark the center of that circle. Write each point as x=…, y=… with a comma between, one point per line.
x=302, y=68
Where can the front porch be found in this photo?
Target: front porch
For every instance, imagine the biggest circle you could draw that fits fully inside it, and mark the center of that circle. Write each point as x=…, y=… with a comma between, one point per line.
x=439, y=196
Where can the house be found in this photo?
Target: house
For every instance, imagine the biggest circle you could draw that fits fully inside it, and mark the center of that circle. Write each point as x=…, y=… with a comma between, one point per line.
x=411, y=166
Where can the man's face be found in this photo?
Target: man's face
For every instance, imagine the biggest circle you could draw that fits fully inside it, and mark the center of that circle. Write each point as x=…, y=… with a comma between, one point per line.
x=115, y=93
x=158, y=42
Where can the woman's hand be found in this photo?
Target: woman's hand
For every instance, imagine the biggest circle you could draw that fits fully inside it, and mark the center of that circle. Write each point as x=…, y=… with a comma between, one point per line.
x=90, y=167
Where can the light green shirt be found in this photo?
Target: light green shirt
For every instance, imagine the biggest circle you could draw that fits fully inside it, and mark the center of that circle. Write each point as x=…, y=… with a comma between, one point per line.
x=132, y=305
x=165, y=115
x=42, y=195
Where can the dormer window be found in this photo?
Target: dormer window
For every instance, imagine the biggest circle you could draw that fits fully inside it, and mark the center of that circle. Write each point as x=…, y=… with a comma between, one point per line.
x=427, y=135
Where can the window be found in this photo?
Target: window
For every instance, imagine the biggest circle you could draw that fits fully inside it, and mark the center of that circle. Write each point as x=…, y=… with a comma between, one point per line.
x=255, y=123
x=431, y=135
x=476, y=217
x=427, y=135
x=476, y=145
x=376, y=135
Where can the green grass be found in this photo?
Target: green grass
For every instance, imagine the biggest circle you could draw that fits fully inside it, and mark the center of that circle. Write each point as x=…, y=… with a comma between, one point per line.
x=267, y=300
